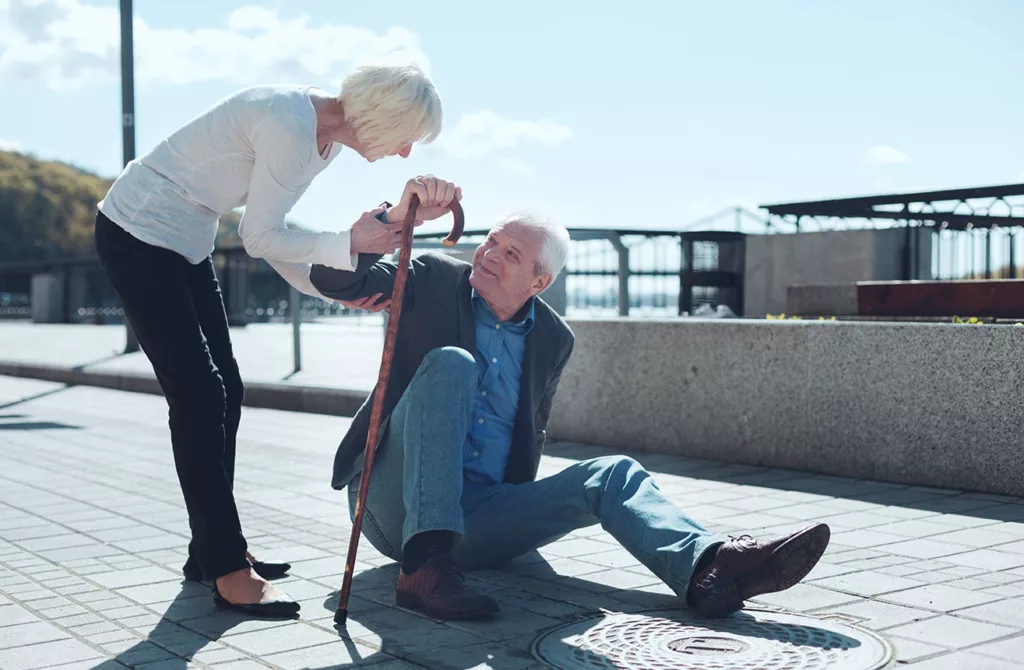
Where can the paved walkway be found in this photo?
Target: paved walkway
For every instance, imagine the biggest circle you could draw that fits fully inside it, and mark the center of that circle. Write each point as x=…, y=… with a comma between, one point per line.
x=336, y=353
x=93, y=531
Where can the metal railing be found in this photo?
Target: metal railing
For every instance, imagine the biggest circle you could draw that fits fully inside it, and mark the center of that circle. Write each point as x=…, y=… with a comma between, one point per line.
x=654, y=274
x=253, y=292
x=991, y=253
x=636, y=275
x=607, y=273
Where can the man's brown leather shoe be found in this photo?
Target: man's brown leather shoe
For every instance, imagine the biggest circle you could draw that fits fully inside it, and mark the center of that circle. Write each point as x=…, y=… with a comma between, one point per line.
x=438, y=589
x=745, y=568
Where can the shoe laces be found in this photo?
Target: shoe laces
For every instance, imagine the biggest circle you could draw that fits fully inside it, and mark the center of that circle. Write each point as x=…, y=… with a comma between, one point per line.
x=707, y=578
x=446, y=565
x=744, y=540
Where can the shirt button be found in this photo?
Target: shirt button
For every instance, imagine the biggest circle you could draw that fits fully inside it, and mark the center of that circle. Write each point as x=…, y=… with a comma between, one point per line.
x=476, y=453
x=494, y=360
x=497, y=326
x=479, y=420
x=483, y=393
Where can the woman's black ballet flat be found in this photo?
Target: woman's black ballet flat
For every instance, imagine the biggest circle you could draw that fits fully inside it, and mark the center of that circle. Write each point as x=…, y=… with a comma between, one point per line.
x=281, y=607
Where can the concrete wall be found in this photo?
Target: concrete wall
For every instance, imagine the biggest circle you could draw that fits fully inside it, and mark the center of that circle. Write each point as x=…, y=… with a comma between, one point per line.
x=923, y=404
x=776, y=262
x=828, y=300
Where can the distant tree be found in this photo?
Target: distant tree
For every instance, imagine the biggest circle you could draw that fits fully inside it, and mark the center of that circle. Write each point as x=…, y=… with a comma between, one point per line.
x=48, y=210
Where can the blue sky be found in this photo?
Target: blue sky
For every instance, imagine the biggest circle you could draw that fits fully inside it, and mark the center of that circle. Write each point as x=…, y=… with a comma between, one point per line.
x=645, y=114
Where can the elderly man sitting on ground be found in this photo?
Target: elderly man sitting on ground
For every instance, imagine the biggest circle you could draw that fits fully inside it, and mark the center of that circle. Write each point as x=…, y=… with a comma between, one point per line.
x=475, y=370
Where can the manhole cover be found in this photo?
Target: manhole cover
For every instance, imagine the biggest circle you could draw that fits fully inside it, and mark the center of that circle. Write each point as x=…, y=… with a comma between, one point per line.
x=752, y=640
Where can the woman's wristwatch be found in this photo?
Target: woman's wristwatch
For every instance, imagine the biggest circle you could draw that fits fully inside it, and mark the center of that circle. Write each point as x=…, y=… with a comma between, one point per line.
x=383, y=216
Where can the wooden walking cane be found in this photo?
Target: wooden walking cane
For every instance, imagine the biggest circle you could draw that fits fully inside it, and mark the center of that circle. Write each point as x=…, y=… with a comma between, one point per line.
x=395, y=313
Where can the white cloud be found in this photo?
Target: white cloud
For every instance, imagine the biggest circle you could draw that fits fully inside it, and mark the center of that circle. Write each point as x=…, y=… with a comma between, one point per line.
x=479, y=134
x=883, y=155
x=515, y=166
x=69, y=44
x=10, y=145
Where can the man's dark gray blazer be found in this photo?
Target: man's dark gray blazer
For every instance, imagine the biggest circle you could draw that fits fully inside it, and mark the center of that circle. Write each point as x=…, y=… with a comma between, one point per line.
x=437, y=312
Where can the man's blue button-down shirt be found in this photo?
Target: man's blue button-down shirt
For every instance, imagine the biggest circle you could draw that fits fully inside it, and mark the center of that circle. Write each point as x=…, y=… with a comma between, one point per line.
x=500, y=346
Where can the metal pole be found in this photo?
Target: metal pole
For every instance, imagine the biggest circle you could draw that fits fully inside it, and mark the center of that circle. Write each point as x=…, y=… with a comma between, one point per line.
x=623, y=252
x=128, y=119
x=988, y=254
x=295, y=305
x=1012, y=271
x=685, y=266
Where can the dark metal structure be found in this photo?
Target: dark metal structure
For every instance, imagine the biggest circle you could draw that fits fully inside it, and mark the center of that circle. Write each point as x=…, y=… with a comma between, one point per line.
x=127, y=83
x=953, y=209
x=128, y=116
x=253, y=291
x=625, y=271
x=712, y=270
x=975, y=231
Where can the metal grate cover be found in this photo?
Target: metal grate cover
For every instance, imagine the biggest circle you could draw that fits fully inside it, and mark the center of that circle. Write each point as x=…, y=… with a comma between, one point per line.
x=752, y=640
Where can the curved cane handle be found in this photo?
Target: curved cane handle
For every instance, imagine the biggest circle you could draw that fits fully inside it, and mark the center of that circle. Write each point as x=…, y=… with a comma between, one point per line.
x=458, y=216
x=458, y=223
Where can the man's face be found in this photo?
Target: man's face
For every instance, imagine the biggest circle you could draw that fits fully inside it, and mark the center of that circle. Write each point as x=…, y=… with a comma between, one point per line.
x=503, y=266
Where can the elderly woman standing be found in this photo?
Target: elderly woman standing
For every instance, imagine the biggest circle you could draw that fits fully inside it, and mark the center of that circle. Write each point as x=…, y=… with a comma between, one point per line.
x=155, y=232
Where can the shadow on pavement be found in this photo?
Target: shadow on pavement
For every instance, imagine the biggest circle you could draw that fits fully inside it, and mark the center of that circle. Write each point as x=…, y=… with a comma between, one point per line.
x=921, y=498
x=189, y=624
x=380, y=634
x=98, y=361
x=35, y=425
x=30, y=398
x=504, y=643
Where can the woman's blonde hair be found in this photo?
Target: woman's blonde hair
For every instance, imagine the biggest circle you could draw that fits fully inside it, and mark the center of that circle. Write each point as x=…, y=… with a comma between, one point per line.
x=390, y=106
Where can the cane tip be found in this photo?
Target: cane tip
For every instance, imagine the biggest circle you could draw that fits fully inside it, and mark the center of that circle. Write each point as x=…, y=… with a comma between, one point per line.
x=340, y=617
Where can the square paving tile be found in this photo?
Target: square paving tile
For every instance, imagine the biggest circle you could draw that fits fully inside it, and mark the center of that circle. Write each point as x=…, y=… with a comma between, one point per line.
x=939, y=598
x=879, y=616
x=962, y=660
x=914, y=528
x=281, y=638
x=987, y=559
x=47, y=655
x=1003, y=612
x=1008, y=650
x=339, y=652
x=950, y=631
x=981, y=538
x=868, y=583
x=29, y=633
x=138, y=576
x=926, y=548
x=806, y=597
x=12, y=615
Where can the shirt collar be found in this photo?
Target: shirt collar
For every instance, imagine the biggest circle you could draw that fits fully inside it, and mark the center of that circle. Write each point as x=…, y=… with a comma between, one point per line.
x=483, y=311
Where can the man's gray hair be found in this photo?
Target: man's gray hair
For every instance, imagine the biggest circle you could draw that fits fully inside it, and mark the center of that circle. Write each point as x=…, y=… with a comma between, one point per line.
x=554, y=250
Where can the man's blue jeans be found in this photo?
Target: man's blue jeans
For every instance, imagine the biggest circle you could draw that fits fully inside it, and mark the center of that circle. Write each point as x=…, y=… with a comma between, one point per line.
x=417, y=486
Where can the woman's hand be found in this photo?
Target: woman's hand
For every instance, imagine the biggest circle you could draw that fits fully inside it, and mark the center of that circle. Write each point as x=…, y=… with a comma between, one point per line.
x=369, y=303
x=369, y=236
